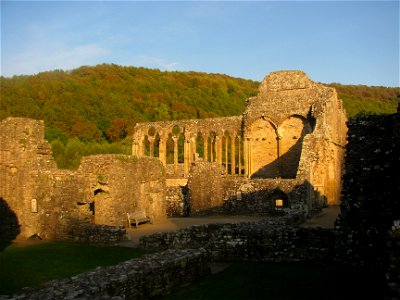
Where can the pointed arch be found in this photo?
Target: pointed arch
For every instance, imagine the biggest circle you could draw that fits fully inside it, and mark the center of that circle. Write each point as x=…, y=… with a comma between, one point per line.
x=263, y=149
x=291, y=135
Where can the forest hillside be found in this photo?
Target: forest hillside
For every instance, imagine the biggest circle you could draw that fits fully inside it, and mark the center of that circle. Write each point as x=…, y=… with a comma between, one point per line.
x=94, y=109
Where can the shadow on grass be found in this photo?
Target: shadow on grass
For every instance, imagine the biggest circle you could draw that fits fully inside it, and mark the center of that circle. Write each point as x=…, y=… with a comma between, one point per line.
x=34, y=265
x=285, y=281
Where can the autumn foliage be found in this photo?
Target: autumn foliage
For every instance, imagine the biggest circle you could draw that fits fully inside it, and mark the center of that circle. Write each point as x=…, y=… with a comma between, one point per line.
x=94, y=109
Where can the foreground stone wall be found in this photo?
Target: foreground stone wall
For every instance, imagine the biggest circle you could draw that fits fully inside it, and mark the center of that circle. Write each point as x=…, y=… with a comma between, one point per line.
x=367, y=233
x=37, y=198
x=393, y=263
x=141, y=278
x=268, y=241
x=371, y=193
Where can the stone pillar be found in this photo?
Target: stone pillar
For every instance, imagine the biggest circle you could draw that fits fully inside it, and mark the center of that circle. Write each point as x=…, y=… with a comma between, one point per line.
x=175, y=139
x=239, y=156
x=226, y=154
x=186, y=154
x=233, y=154
x=193, y=150
x=205, y=141
x=218, y=145
x=247, y=156
x=135, y=147
x=280, y=144
x=151, y=141
x=162, y=151
x=250, y=155
x=212, y=149
x=138, y=148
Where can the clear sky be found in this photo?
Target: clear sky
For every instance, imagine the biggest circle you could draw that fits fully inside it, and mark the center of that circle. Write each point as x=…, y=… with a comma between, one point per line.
x=339, y=41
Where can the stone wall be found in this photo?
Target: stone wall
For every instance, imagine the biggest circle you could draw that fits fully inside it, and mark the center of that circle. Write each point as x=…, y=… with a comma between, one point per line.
x=210, y=135
x=371, y=190
x=208, y=187
x=141, y=278
x=37, y=198
x=176, y=201
x=393, y=257
x=95, y=234
x=119, y=184
x=293, y=129
x=211, y=192
x=366, y=231
x=268, y=241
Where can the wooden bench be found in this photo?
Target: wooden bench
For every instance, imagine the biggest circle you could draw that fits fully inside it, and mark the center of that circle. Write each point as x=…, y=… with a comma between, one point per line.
x=138, y=217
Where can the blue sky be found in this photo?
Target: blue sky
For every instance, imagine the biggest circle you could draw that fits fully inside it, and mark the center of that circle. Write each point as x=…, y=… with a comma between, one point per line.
x=340, y=41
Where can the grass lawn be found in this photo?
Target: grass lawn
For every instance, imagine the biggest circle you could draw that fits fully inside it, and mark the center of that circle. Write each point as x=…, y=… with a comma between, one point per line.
x=284, y=281
x=36, y=264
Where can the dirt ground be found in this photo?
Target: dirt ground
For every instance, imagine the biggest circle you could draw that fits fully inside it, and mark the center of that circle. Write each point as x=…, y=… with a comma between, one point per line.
x=172, y=224
x=324, y=219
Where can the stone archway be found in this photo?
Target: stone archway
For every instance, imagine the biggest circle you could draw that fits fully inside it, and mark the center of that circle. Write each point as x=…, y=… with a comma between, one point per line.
x=264, y=149
x=291, y=134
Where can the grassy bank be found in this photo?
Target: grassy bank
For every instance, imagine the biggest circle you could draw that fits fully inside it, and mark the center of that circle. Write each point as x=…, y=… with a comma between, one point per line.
x=33, y=265
x=247, y=280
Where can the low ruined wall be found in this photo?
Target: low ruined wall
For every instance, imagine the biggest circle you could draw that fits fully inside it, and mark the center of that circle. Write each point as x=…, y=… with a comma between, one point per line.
x=267, y=241
x=95, y=234
x=141, y=278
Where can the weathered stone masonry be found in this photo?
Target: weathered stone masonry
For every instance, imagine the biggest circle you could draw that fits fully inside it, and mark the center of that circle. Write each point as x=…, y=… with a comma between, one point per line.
x=141, y=278
x=40, y=199
x=267, y=241
x=294, y=129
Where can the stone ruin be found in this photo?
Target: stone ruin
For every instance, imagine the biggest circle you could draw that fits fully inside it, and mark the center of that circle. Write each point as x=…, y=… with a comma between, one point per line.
x=38, y=199
x=284, y=153
x=218, y=175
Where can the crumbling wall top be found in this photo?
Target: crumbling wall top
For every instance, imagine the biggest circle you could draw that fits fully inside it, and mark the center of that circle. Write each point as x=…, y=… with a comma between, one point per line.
x=285, y=80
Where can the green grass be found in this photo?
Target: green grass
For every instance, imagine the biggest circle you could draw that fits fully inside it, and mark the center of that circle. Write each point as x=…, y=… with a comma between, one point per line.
x=284, y=281
x=33, y=265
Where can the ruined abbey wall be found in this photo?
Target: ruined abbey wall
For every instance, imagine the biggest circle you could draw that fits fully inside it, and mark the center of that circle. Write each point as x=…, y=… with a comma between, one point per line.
x=212, y=192
x=208, y=136
x=38, y=198
x=295, y=128
x=284, y=155
x=292, y=133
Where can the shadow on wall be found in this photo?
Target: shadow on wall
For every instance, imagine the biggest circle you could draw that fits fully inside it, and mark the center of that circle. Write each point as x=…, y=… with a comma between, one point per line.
x=287, y=164
x=9, y=225
x=271, y=200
